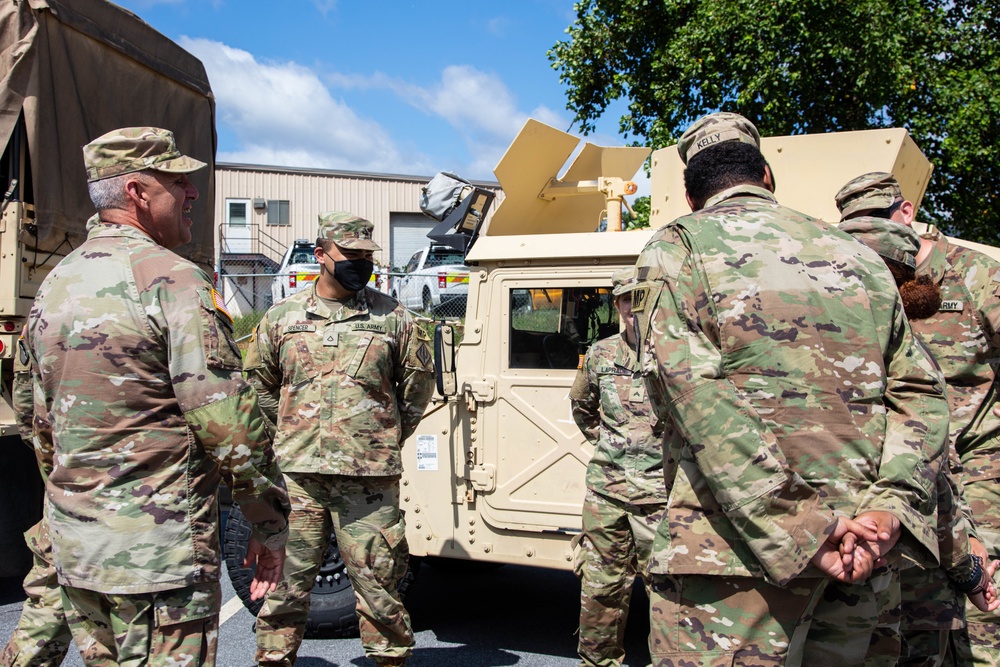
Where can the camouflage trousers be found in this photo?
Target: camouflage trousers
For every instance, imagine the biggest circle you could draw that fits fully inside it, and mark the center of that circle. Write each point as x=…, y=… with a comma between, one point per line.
x=713, y=621
x=980, y=640
x=857, y=624
x=364, y=514
x=615, y=544
x=42, y=635
x=175, y=628
x=932, y=614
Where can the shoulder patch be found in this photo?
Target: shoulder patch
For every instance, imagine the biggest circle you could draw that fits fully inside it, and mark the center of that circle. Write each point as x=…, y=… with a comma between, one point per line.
x=220, y=306
x=22, y=351
x=640, y=295
x=951, y=307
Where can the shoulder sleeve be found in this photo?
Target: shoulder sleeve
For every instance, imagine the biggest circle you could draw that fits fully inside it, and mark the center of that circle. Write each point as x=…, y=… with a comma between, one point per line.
x=916, y=434
x=263, y=369
x=414, y=370
x=21, y=389
x=982, y=279
x=221, y=410
x=776, y=513
x=585, y=399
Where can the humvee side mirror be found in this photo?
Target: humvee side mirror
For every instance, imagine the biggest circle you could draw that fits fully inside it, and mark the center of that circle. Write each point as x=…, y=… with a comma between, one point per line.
x=444, y=359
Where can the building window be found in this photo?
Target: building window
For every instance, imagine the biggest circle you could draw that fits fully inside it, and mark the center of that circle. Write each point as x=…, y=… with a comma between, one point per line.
x=277, y=212
x=237, y=212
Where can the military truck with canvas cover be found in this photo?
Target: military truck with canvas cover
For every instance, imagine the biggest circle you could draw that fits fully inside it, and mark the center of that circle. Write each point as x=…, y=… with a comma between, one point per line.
x=495, y=472
x=71, y=70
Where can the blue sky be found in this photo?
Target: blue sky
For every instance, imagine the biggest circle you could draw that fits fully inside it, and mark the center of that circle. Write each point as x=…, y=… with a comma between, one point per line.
x=378, y=85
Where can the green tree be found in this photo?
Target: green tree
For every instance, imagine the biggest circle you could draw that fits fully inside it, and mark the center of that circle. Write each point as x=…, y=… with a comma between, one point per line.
x=639, y=217
x=798, y=66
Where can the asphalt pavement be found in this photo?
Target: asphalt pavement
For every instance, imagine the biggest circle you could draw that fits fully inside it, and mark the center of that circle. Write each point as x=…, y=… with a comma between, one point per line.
x=512, y=615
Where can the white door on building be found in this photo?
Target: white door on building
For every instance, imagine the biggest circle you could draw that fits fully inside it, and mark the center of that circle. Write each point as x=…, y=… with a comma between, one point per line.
x=236, y=235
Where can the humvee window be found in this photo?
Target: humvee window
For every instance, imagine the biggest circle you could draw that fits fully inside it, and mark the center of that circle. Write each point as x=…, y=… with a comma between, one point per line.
x=553, y=327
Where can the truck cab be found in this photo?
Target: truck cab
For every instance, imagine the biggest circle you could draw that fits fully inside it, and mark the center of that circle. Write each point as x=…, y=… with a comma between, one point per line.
x=435, y=278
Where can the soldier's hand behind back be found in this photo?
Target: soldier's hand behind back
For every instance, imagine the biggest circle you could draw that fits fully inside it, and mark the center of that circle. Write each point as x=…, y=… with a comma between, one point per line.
x=270, y=563
x=888, y=529
x=987, y=599
x=841, y=556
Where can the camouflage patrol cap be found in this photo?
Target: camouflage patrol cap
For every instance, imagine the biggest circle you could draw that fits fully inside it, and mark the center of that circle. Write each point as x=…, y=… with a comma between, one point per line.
x=868, y=192
x=132, y=149
x=623, y=281
x=713, y=129
x=347, y=230
x=889, y=239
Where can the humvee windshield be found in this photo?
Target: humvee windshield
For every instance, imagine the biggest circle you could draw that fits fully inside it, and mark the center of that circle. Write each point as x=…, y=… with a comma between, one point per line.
x=553, y=327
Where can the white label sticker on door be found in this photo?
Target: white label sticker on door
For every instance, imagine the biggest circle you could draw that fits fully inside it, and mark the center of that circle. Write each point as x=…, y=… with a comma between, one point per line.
x=427, y=452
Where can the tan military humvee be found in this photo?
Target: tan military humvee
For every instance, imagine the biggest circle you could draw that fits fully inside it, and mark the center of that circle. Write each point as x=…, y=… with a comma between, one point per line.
x=495, y=471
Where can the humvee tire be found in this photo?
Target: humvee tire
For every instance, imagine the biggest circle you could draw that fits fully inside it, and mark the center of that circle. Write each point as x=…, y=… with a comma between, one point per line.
x=331, y=605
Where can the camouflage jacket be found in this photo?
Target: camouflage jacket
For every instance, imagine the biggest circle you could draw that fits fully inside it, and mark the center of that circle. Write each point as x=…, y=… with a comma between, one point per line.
x=344, y=388
x=794, y=384
x=611, y=407
x=138, y=387
x=964, y=337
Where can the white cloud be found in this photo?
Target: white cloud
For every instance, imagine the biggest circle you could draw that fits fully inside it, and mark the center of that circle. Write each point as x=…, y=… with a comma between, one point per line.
x=282, y=114
x=478, y=106
x=325, y=6
x=498, y=26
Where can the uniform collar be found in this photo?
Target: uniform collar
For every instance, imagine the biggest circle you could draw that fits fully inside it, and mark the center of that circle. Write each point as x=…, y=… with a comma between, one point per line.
x=98, y=229
x=352, y=307
x=936, y=263
x=743, y=190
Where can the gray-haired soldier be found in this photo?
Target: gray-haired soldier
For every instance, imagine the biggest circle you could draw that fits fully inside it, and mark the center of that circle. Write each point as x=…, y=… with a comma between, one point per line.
x=140, y=411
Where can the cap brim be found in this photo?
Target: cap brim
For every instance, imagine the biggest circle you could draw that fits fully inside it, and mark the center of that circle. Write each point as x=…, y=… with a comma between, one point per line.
x=360, y=244
x=180, y=165
x=869, y=203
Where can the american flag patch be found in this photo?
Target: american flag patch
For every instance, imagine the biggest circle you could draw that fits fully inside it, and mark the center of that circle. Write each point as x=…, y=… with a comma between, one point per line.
x=220, y=305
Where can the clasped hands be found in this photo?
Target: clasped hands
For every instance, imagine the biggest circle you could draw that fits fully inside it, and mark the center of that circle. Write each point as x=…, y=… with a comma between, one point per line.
x=856, y=546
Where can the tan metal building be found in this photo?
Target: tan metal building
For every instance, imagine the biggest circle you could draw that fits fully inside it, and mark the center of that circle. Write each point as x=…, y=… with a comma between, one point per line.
x=261, y=210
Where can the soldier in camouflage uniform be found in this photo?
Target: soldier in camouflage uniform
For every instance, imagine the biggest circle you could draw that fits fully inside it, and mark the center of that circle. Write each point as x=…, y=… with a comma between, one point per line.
x=798, y=399
x=140, y=411
x=961, y=327
x=42, y=635
x=344, y=372
x=625, y=490
x=934, y=600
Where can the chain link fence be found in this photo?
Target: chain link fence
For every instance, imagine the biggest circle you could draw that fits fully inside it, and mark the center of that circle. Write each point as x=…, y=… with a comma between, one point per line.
x=249, y=286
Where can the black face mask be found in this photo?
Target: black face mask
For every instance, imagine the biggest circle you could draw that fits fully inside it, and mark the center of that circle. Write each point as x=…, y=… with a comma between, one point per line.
x=353, y=274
